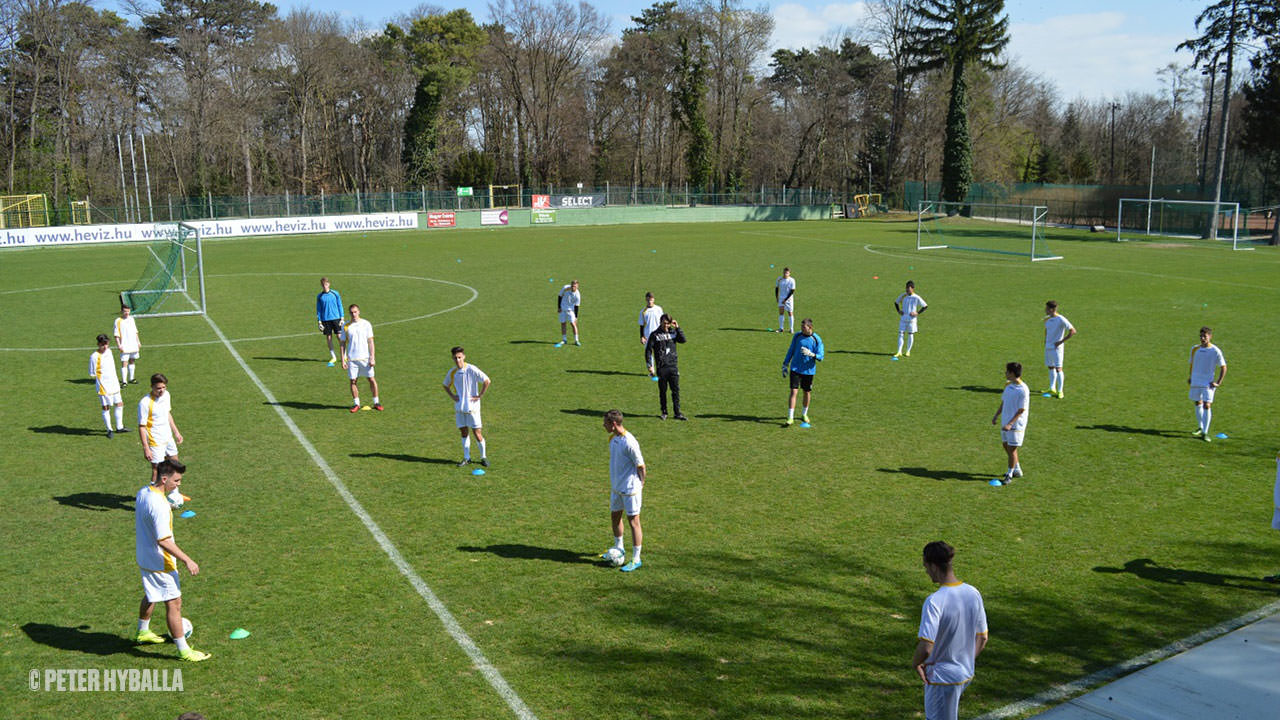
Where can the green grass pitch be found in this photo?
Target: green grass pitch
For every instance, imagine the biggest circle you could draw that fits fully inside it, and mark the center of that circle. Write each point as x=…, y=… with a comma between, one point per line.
x=782, y=574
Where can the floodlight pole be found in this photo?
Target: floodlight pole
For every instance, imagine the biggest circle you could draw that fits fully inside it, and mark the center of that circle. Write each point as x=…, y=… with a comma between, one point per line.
x=1111, y=174
x=1151, y=186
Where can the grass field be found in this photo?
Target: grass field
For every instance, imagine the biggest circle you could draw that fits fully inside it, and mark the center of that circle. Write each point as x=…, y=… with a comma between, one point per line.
x=782, y=574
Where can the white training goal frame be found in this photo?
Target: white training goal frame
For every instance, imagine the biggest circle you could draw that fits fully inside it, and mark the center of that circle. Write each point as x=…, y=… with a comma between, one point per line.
x=1026, y=215
x=1152, y=203
x=185, y=275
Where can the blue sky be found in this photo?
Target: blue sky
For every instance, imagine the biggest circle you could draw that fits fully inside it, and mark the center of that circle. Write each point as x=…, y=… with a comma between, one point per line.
x=1087, y=48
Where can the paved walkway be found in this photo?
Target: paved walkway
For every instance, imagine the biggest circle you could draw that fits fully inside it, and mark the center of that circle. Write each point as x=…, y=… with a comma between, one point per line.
x=1234, y=676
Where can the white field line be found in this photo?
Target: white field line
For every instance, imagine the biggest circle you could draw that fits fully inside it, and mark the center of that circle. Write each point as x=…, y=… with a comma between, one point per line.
x=450, y=623
x=1058, y=693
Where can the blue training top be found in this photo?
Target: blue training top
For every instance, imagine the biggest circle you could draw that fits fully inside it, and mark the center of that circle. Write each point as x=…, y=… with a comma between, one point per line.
x=329, y=306
x=797, y=361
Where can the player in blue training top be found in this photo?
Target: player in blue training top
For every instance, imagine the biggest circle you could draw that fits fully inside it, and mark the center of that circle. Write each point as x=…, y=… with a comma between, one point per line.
x=800, y=364
x=329, y=315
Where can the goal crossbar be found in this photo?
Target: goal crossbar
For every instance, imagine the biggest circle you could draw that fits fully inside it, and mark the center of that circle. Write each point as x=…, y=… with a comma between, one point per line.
x=1032, y=216
x=1154, y=223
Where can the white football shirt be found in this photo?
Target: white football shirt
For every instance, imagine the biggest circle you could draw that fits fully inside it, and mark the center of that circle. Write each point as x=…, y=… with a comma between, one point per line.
x=102, y=368
x=569, y=299
x=649, y=319
x=952, y=618
x=624, y=461
x=357, y=335
x=1056, y=328
x=153, y=415
x=1016, y=395
x=1204, y=364
x=127, y=331
x=153, y=522
x=786, y=286
x=911, y=304
x=466, y=384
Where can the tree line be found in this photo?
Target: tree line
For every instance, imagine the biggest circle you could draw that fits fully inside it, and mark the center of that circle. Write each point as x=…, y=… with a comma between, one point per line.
x=232, y=98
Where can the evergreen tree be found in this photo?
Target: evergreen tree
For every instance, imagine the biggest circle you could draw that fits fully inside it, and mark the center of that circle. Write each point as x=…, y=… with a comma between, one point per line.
x=956, y=35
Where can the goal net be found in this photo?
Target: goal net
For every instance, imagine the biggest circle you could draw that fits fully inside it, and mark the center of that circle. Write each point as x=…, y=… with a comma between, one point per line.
x=172, y=282
x=1180, y=222
x=984, y=227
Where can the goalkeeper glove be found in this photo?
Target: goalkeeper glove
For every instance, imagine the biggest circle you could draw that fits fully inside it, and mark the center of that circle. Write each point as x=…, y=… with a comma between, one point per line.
x=784, y=369
x=807, y=352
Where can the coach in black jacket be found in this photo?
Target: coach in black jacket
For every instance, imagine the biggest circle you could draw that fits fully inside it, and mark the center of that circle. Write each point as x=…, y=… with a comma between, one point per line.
x=662, y=348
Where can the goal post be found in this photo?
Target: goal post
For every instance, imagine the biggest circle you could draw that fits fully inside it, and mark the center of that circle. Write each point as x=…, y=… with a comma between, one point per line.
x=1002, y=229
x=1183, y=221
x=172, y=283
x=501, y=196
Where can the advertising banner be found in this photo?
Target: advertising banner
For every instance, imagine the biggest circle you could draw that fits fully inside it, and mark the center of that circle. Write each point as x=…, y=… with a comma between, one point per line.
x=441, y=219
x=542, y=217
x=541, y=202
x=577, y=201
x=209, y=229
x=464, y=192
x=493, y=217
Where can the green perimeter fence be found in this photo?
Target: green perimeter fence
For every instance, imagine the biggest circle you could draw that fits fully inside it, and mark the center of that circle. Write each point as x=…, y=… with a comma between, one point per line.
x=1088, y=205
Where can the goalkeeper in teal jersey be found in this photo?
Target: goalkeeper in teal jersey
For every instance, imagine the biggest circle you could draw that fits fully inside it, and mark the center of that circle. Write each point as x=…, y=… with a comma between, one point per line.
x=329, y=315
x=800, y=365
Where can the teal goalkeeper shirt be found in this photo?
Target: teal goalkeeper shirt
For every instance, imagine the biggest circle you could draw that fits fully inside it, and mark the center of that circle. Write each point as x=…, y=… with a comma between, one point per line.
x=329, y=306
x=797, y=361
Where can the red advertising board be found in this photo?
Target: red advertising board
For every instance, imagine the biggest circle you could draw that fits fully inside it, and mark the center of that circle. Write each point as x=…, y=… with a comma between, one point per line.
x=541, y=202
x=441, y=219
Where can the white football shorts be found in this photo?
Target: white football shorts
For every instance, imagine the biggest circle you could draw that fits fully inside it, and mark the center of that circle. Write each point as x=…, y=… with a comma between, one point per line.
x=112, y=399
x=1201, y=394
x=906, y=324
x=1053, y=356
x=942, y=702
x=160, y=452
x=567, y=316
x=127, y=357
x=1012, y=438
x=628, y=503
x=359, y=368
x=161, y=586
x=788, y=306
x=467, y=419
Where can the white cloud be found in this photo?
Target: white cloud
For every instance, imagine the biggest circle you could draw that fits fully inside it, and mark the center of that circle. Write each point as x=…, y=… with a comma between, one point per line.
x=1096, y=55
x=796, y=26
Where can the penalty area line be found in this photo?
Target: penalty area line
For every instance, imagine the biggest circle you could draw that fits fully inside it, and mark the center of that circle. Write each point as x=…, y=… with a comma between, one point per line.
x=1068, y=691
x=450, y=623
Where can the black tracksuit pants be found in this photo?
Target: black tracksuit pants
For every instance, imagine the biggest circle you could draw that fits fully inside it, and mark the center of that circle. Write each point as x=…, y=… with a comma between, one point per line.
x=669, y=377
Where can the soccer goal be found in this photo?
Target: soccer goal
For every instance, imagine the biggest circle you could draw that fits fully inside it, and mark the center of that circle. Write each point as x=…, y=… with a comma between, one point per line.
x=1180, y=222
x=984, y=227
x=173, y=281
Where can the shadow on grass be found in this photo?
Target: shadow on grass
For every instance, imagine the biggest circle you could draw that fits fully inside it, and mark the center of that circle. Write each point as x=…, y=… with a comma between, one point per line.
x=405, y=458
x=82, y=381
x=607, y=372
x=1147, y=569
x=978, y=389
x=861, y=352
x=759, y=330
x=533, y=552
x=289, y=359
x=740, y=418
x=307, y=405
x=598, y=414
x=1126, y=430
x=933, y=474
x=78, y=640
x=99, y=501
x=530, y=342
x=64, y=430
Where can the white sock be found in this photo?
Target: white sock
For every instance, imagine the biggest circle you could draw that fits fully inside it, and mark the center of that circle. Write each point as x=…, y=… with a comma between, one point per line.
x=900, y=343
x=181, y=642
x=635, y=554
x=1053, y=379
x=911, y=340
x=780, y=319
x=563, y=337
x=119, y=417
x=144, y=624
x=1200, y=417
x=106, y=418
x=1062, y=380
x=466, y=448
x=805, y=412
x=617, y=542
x=124, y=371
x=376, y=401
x=791, y=413
x=575, y=337
x=482, y=452
x=791, y=324
x=132, y=369
x=1208, y=417
x=355, y=401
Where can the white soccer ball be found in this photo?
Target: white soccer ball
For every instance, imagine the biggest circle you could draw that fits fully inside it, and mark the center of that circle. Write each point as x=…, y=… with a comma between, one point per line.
x=615, y=557
x=175, y=499
x=186, y=628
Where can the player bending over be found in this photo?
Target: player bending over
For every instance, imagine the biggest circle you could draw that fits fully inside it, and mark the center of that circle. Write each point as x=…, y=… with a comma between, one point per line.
x=569, y=304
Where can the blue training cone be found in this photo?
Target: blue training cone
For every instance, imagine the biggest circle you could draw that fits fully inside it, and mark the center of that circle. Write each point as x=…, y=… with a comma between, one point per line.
x=805, y=425
x=653, y=378
x=995, y=483
x=187, y=514
x=1221, y=436
x=478, y=471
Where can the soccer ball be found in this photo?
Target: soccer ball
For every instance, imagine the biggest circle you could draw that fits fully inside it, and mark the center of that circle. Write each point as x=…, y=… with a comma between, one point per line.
x=615, y=557
x=186, y=628
x=176, y=499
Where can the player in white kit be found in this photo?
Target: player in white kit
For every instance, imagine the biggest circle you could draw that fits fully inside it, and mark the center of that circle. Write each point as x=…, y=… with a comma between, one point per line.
x=1015, y=403
x=569, y=304
x=784, y=292
x=359, y=357
x=1057, y=331
x=909, y=306
x=128, y=343
x=1206, y=360
x=466, y=384
x=650, y=319
x=102, y=368
x=953, y=632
